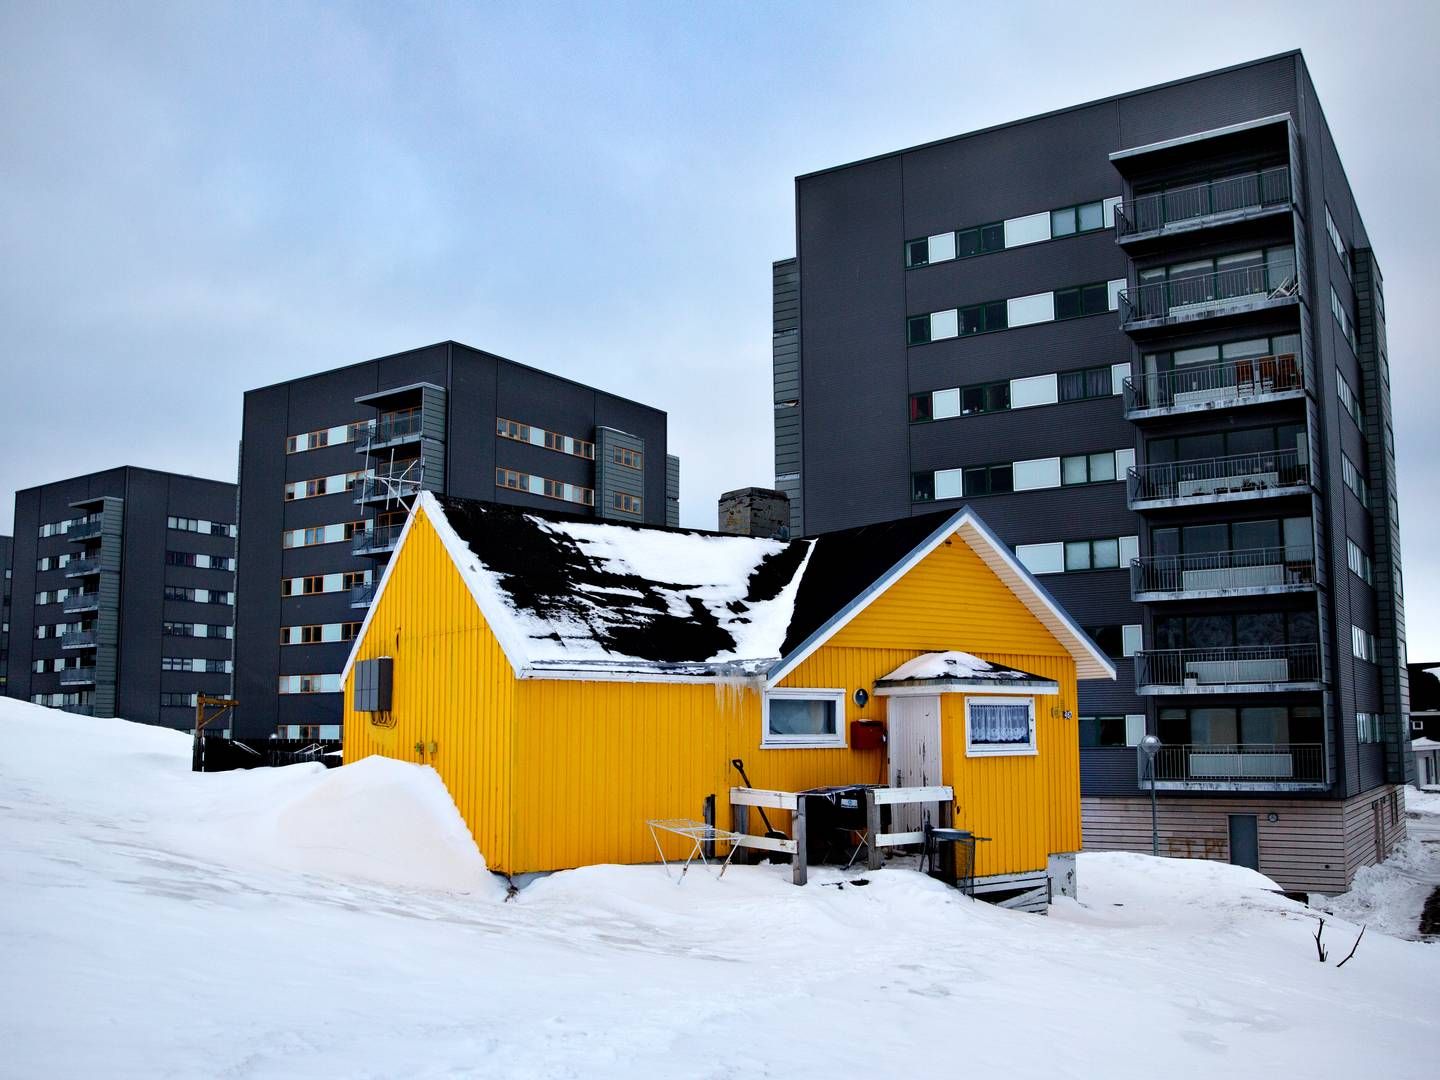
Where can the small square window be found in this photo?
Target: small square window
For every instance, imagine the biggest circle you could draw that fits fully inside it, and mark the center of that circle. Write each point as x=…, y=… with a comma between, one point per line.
x=1077, y=555
x=967, y=243
x=917, y=253
x=1062, y=222
x=804, y=718
x=1073, y=471
x=999, y=725
x=1102, y=466
x=918, y=329
x=1092, y=216
x=1067, y=303
x=992, y=237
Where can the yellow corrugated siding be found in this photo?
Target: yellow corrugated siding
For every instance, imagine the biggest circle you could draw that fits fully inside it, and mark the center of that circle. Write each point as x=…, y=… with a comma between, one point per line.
x=453, y=687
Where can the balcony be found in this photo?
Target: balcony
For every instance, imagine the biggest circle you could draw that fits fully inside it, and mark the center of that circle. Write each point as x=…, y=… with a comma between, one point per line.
x=377, y=541
x=80, y=639
x=1228, y=384
x=82, y=567
x=391, y=485
x=1238, y=669
x=361, y=595
x=82, y=601
x=1256, y=572
x=85, y=529
x=1204, y=205
x=391, y=431
x=78, y=676
x=1238, y=767
x=1194, y=297
x=1203, y=481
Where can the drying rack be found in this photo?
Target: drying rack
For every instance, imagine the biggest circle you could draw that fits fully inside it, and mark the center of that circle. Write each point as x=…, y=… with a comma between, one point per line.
x=700, y=834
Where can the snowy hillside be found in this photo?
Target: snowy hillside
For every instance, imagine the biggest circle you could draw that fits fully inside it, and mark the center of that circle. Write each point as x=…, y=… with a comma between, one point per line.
x=302, y=923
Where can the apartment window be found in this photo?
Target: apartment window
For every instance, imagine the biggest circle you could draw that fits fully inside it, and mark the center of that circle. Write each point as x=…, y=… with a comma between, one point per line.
x=1086, y=383
x=1359, y=562
x=180, y=558
x=1081, y=300
x=981, y=318
x=960, y=401
x=1087, y=468
x=309, y=684
x=1092, y=554
x=178, y=629
x=314, y=440
x=1349, y=401
x=172, y=700
x=1116, y=730
x=200, y=525
x=999, y=725
x=804, y=718
x=1106, y=553
x=1363, y=645
x=319, y=633
x=539, y=485
x=1342, y=316
x=321, y=534
x=1117, y=641
x=1354, y=479
x=1227, y=726
x=1087, y=217
x=980, y=240
x=986, y=480
x=1338, y=244
x=537, y=436
x=623, y=455
x=629, y=504
x=1368, y=728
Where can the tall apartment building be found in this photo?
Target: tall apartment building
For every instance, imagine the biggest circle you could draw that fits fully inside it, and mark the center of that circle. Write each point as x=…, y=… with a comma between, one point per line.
x=123, y=595
x=1145, y=336
x=327, y=460
x=6, y=546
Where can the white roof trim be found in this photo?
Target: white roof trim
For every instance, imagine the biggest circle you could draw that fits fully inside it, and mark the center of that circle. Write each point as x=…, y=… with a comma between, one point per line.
x=1090, y=662
x=968, y=687
x=1198, y=136
x=375, y=596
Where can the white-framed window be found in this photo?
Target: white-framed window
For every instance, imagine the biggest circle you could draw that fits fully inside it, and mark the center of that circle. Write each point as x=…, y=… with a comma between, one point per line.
x=1132, y=639
x=799, y=718
x=999, y=725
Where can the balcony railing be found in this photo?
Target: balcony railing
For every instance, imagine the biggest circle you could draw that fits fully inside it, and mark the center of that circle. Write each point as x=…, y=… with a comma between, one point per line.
x=1196, y=296
x=1234, y=195
x=82, y=601
x=1267, y=472
x=1252, y=571
x=84, y=529
x=79, y=639
x=1237, y=765
x=399, y=484
x=82, y=567
x=391, y=429
x=1222, y=670
x=1205, y=386
x=78, y=676
x=379, y=539
x=361, y=595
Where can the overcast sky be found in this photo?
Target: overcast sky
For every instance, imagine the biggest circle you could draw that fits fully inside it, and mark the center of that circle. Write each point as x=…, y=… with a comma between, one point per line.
x=197, y=199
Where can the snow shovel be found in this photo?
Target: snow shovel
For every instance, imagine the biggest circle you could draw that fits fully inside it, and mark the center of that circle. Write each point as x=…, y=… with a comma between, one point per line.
x=771, y=833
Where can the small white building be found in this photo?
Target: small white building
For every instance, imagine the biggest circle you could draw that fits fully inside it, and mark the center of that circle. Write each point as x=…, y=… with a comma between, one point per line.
x=1427, y=763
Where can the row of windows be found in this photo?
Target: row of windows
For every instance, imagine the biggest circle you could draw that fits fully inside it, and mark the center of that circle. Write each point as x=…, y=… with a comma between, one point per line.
x=1224, y=276
x=309, y=684
x=200, y=630
x=195, y=664
x=59, y=663
x=171, y=699
x=55, y=562
x=1337, y=243
x=199, y=596
x=1363, y=645
x=628, y=457
x=1031, y=475
x=60, y=528
x=1126, y=730
x=1081, y=385
x=1355, y=480
x=323, y=485
x=1295, y=535
x=1359, y=562
x=55, y=630
x=539, y=485
x=1347, y=324
x=627, y=504
x=64, y=699
x=53, y=596
x=538, y=436
x=314, y=440
x=1069, y=303
x=318, y=633
x=200, y=525
x=199, y=560
x=308, y=731
x=315, y=584
x=1269, y=439
x=1369, y=727
x=321, y=534
x=1227, y=725
x=810, y=718
x=1068, y=556
x=1117, y=641
x=1223, y=631
x=1013, y=232
x=1348, y=401
x=1280, y=345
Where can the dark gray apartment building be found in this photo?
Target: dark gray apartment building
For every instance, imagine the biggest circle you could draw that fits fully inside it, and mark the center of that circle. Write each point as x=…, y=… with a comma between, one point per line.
x=1145, y=337
x=327, y=463
x=123, y=594
x=7, y=545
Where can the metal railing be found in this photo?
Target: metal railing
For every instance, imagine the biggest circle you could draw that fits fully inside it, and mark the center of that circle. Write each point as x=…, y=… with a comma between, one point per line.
x=388, y=429
x=85, y=528
x=361, y=595
x=1194, y=294
x=79, y=639
x=1253, y=568
x=1239, y=763
x=1233, y=194
x=1228, y=666
x=1205, y=384
x=82, y=601
x=397, y=486
x=81, y=567
x=78, y=676
x=380, y=538
x=1205, y=478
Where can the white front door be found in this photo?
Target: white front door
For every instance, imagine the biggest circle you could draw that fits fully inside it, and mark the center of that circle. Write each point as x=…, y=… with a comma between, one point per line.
x=915, y=760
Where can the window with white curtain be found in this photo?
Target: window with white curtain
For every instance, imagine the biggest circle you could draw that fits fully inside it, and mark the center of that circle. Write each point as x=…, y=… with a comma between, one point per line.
x=999, y=725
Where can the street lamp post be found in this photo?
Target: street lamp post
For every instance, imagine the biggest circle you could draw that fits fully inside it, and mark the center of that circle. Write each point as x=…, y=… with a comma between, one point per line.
x=1150, y=746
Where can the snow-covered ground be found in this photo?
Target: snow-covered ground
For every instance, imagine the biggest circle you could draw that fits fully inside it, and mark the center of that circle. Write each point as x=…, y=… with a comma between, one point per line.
x=295, y=922
x=1389, y=897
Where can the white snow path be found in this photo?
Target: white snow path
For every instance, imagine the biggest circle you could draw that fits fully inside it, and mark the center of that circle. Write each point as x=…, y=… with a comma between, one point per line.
x=161, y=924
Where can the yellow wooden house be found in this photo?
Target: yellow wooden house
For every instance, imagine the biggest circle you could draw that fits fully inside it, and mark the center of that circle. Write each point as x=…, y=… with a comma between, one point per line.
x=570, y=679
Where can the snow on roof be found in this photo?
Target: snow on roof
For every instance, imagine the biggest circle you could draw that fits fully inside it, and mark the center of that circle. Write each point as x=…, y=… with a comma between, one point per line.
x=568, y=596
x=956, y=667
x=1423, y=743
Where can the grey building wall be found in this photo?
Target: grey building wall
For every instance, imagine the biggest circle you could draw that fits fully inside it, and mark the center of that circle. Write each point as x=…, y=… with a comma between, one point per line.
x=135, y=541
x=785, y=357
x=477, y=389
x=7, y=545
x=672, y=490
x=855, y=448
